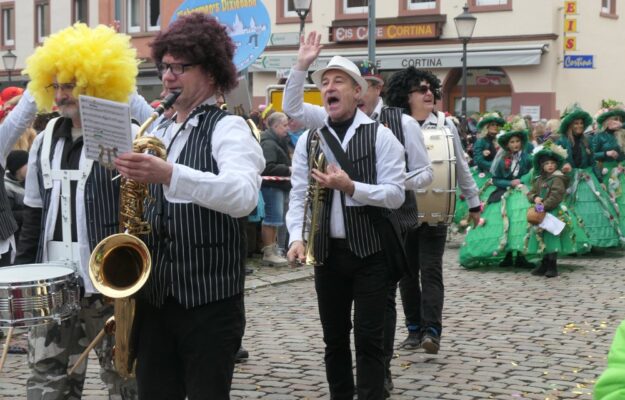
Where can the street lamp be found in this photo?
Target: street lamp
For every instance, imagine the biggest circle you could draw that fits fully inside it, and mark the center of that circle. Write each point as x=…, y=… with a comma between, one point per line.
x=9, y=59
x=465, y=23
x=302, y=7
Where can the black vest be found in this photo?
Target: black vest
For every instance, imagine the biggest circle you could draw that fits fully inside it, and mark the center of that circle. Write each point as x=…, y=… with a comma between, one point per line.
x=8, y=226
x=407, y=214
x=101, y=197
x=198, y=254
x=362, y=238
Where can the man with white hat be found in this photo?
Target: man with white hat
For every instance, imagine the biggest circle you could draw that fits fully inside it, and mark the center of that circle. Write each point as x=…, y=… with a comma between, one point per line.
x=354, y=270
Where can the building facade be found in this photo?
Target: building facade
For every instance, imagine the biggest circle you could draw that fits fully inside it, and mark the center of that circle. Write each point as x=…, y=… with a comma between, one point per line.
x=525, y=56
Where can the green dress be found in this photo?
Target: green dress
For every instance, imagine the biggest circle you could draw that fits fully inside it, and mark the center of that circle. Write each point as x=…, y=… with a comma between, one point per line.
x=611, y=171
x=588, y=200
x=611, y=383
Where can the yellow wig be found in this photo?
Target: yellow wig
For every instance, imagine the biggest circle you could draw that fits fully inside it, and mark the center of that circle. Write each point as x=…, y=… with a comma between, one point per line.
x=100, y=61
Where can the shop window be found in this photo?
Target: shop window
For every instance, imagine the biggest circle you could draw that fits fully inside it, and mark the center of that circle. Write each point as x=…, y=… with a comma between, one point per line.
x=286, y=12
x=355, y=6
x=608, y=8
x=490, y=5
x=419, y=7
x=8, y=25
x=80, y=11
x=42, y=20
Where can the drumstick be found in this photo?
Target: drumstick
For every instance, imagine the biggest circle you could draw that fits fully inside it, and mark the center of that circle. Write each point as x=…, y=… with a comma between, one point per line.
x=85, y=353
x=6, y=347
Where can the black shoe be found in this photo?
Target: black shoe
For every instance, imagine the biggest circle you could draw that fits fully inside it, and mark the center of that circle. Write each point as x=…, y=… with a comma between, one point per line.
x=249, y=270
x=17, y=350
x=552, y=271
x=540, y=270
x=388, y=385
x=521, y=262
x=413, y=341
x=431, y=341
x=242, y=355
x=506, y=262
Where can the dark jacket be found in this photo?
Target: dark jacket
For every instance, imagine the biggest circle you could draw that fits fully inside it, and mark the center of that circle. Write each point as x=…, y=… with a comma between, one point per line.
x=484, y=162
x=551, y=189
x=277, y=160
x=503, y=173
x=15, y=193
x=604, y=142
x=584, y=159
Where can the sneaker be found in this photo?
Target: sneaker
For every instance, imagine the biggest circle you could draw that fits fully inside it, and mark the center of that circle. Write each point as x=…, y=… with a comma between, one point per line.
x=242, y=355
x=17, y=350
x=431, y=341
x=413, y=341
x=271, y=258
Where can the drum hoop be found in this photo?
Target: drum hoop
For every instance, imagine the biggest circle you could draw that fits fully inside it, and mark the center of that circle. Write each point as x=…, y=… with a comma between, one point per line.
x=71, y=272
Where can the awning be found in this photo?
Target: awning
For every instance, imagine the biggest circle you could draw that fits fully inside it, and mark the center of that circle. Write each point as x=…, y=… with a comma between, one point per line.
x=477, y=56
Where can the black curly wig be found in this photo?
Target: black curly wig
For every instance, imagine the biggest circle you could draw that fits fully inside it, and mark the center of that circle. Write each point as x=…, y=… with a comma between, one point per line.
x=401, y=83
x=199, y=39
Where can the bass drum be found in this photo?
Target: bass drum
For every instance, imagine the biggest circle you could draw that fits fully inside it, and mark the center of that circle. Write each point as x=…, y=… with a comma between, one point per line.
x=436, y=203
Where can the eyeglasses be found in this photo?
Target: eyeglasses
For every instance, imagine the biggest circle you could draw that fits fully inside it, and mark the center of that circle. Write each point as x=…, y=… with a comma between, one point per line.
x=65, y=87
x=175, y=68
x=423, y=89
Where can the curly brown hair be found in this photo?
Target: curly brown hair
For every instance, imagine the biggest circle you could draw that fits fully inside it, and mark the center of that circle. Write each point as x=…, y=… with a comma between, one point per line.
x=199, y=39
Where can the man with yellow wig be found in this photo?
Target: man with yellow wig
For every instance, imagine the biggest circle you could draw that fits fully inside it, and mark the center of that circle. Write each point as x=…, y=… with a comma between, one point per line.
x=97, y=62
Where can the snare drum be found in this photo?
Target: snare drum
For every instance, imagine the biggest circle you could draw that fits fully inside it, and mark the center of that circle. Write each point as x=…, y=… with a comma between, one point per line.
x=436, y=203
x=34, y=294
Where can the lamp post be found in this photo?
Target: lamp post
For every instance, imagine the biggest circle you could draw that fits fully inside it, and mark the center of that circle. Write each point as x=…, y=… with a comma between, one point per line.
x=302, y=7
x=9, y=59
x=465, y=23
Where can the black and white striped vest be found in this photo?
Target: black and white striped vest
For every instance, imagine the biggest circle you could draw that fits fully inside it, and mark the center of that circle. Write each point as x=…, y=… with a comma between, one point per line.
x=407, y=214
x=101, y=195
x=362, y=238
x=198, y=254
x=8, y=226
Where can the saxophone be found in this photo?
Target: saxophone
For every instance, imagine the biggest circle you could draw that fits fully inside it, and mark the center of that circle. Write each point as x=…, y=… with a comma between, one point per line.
x=120, y=264
x=315, y=199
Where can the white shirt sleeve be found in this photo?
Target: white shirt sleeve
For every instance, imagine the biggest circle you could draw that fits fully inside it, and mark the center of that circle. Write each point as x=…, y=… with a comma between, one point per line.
x=15, y=124
x=463, y=173
x=389, y=190
x=299, y=185
x=32, y=195
x=312, y=116
x=234, y=190
x=418, y=158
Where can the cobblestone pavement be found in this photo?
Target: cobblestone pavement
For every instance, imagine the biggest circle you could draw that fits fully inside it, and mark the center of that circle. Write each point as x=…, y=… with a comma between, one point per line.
x=507, y=335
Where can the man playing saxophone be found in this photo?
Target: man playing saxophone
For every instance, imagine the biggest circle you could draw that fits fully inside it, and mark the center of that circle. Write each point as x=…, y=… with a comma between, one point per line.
x=193, y=313
x=354, y=269
x=92, y=200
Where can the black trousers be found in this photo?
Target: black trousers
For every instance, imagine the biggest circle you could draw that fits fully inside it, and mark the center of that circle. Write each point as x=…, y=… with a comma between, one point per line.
x=423, y=294
x=5, y=261
x=188, y=353
x=343, y=280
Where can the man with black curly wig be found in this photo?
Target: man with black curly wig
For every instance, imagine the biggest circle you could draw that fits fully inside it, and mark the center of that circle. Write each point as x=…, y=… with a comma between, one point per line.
x=422, y=293
x=193, y=312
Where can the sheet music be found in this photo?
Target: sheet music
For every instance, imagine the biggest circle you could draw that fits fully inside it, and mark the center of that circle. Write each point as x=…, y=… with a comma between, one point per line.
x=106, y=129
x=552, y=224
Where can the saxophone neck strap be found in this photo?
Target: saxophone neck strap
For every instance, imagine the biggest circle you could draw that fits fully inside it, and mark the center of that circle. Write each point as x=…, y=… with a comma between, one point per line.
x=341, y=157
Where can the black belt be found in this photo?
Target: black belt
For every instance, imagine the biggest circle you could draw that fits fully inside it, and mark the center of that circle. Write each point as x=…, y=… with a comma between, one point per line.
x=339, y=243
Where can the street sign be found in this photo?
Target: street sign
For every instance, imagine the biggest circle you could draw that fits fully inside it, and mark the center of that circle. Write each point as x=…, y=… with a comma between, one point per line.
x=284, y=39
x=579, y=61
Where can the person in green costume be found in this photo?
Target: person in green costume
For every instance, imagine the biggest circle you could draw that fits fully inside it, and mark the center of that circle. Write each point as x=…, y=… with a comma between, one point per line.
x=611, y=383
x=547, y=192
x=587, y=198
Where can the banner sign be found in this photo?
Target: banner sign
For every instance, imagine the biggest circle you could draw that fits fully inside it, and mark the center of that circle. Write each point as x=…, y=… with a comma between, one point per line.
x=579, y=61
x=385, y=32
x=247, y=23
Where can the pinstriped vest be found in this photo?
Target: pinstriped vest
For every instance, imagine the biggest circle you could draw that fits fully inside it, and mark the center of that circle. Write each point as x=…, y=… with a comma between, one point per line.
x=198, y=254
x=101, y=196
x=362, y=238
x=8, y=226
x=407, y=214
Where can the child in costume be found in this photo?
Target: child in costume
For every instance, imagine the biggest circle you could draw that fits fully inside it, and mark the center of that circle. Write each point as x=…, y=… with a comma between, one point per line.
x=484, y=152
x=504, y=229
x=586, y=198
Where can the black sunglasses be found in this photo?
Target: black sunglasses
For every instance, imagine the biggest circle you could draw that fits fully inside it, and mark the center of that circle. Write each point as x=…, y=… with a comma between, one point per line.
x=422, y=89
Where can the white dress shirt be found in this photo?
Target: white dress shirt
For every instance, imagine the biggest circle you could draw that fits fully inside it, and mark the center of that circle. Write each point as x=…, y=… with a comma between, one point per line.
x=463, y=173
x=239, y=157
x=314, y=116
x=388, y=192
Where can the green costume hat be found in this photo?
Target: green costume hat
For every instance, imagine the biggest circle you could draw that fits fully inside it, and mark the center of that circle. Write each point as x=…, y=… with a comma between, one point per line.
x=573, y=112
x=517, y=127
x=605, y=113
x=548, y=151
x=490, y=117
